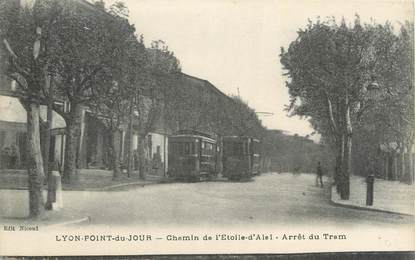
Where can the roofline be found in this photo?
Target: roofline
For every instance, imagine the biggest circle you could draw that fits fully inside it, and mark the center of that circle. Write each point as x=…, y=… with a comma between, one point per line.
x=13, y=123
x=213, y=87
x=192, y=136
x=239, y=137
x=94, y=7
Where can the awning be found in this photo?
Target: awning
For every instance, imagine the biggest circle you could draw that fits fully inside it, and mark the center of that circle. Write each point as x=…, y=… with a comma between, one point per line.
x=57, y=120
x=11, y=110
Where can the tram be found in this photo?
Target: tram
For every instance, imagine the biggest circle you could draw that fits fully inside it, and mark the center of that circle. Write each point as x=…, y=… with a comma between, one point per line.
x=192, y=156
x=240, y=159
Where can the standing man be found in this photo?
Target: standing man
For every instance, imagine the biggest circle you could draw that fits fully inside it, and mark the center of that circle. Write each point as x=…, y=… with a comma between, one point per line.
x=14, y=158
x=319, y=177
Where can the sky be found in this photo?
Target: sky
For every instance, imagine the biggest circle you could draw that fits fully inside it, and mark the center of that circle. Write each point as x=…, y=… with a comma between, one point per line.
x=235, y=44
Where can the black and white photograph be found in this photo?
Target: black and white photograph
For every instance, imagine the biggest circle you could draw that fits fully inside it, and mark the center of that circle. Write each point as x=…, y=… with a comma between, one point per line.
x=191, y=127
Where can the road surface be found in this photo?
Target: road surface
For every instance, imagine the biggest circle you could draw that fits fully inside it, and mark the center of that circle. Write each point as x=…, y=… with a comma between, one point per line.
x=270, y=199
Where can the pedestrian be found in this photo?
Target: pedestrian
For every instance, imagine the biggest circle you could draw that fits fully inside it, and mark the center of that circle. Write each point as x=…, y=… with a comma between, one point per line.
x=5, y=158
x=14, y=158
x=110, y=158
x=319, y=177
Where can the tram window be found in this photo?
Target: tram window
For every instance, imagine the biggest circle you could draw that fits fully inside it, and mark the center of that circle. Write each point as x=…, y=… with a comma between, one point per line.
x=195, y=147
x=177, y=148
x=192, y=148
x=254, y=146
x=232, y=148
x=174, y=148
x=211, y=149
x=208, y=147
x=238, y=148
x=186, y=148
x=203, y=145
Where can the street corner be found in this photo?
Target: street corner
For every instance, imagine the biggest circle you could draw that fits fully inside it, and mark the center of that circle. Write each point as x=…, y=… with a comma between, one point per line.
x=359, y=200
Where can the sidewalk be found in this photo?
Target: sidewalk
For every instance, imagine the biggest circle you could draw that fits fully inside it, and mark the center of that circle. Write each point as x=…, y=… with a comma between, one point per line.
x=14, y=209
x=389, y=196
x=14, y=204
x=87, y=180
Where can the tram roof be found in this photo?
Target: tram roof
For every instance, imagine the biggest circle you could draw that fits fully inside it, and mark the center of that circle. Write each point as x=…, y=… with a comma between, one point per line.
x=238, y=137
x=192, y=136
x=195, y=132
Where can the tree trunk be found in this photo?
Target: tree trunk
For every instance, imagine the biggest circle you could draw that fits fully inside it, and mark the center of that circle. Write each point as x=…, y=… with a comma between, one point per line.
x=141, y=158
x=347, y=160
x=34, y=163
x=395, y=167
x=409, y=178
x=346, y=167
x=402, y=168
x=80, y=156
x=73, y=127
x=130, y=145
x=115, y=162
x=390, y=166
x=46, y=155
x=410, y=169
x=385, y=166
x=339, y=162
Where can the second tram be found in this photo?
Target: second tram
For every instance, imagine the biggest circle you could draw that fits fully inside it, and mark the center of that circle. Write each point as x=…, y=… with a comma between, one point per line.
x=192, y=156
x=241, y=159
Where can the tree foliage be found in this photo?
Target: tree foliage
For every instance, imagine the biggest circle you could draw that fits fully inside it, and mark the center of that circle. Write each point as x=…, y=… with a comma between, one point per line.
x=387, y=124
x=27, y=59
x=330, y=69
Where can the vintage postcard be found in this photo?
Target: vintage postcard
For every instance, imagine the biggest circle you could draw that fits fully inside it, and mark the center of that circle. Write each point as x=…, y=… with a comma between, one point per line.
x=173, y=127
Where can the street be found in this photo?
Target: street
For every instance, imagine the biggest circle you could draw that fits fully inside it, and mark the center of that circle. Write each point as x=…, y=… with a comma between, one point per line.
x=271, y=198
x=268, y=199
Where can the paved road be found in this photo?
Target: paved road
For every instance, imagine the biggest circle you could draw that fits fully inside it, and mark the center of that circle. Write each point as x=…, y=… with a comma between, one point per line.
x=277, y=199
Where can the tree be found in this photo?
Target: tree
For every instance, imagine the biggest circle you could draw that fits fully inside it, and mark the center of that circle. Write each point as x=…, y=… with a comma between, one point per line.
x=26, y=34
x=244, y=119
x=113, y=98
x=329, y=67
x=389, y=117
x=111, y=105
x=154, y=94
x=88, y=45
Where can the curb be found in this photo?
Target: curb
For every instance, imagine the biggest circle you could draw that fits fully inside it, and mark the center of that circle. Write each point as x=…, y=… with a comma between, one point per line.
x=66, y=223
x=343, y=205
x=142, y=184
x=105, y=188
